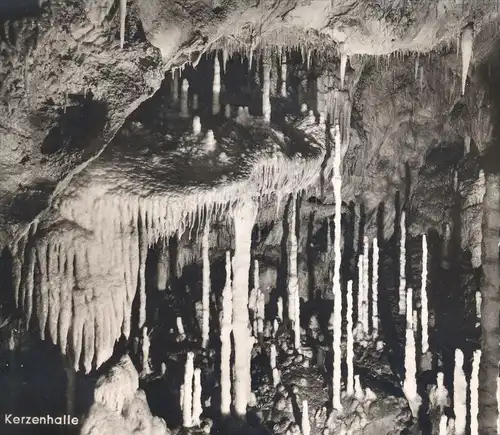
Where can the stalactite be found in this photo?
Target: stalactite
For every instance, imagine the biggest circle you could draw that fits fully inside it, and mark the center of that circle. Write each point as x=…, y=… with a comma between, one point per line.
x=474, y=396
x=366, y=285
x=143, y=252
x=225, y=332
x=145, y=351
x=466, y=144
x=195, y=103
x=205, y=332
x=225, y=58
x=350, y=342
x=123, y=15
x=266, y=88
x=187, y=392
x=162, y=267
x=197, y=407
x=175, y=86
x=423, y=297
x=459, y=394
x=216, y=87
x=410, y=381
x=402, y=265
x=337, y=291
x=375, y=268
x=184, y=99
x=244, y=216
x=466, y=39
x=305, y=424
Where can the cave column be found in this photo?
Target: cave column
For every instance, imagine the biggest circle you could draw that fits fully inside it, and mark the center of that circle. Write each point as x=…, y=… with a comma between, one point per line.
x=205, y=332
x=490, y=307
x=244, y=218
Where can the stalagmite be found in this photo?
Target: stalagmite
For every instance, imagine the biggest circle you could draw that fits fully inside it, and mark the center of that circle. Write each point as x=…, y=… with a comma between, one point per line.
x=443, y=425
x=184, y=99
x=244, y=216
x=225, y=332
x=402, y=265
x=466, y=48
x=350, y=342
x=423, y=297
x=145, y=352
x=366, y=285
x=337, y=291
x=266, y=88
x=197, y=407
x=205, y=331
x=478, y=305
x=175, y=85
x=227, y=111
x=273, y=357
x=466, y=145
x=305, y=424
x=410, y=381
x=293, y=281
x=343, y=65
x=123, y=15
x=279, y=307
x=216, y=87
x=187, y=403
x=375, y=267
x=459, y=394
x=180, y=326
x=359, y=393
x=361, y=292
x=283, y=75
x=210, y=143
x=498, y=401
x=196, y=125
x=474, y=396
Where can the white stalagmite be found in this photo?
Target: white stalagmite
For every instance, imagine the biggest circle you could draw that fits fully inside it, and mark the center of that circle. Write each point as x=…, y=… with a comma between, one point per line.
x=293, y=281
x=478, y=305
x=180, y=325
x=273, y=357
x=205, y=330
x=423, y=297
x=225, y=332
x=402, y=265
x=197, y=407
x=466, y=48
x=410, y=381
x=244, y=216
x=366, y=285
x=145, y=351
x=305, y=423
x=361, y=292
x=343, y=65
x=498, y=401
x=283, y=75
x=375, y=266
x=459, y=394
x=350, y=342
x=337, y=291
x=187, y=402
x=266, y=88
x=279, y=307
x=123, y=16
x=185, y=99
x=474, y=393
x=216, y=87
x=196, y=125
x=443, y=425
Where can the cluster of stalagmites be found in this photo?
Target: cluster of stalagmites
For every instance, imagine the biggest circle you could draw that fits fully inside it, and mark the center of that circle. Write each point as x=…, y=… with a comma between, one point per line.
x=120, y=407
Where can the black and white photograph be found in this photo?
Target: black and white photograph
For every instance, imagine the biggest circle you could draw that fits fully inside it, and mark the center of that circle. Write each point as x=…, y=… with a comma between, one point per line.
x=249, y=217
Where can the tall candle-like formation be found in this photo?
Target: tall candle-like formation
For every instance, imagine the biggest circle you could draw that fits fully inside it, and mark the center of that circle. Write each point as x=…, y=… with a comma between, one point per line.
x=402, y=265
x=375, y=265
x=474, y=393
x=366, y=285
x=266, y=88
x=478, y=305
x=305, y=424
x=225, y=332
x=187, y=392
x=293, y=281
x=423, y=297
x=498, y=401
x=205, y=246
x=350, y=342
x=343, y=65
x=145, y=351
x=361, y=292
x=459, y=394
x=337, y=291
x=279, y=308
x=162, y=267
x=273, y=356
x=143, y=253
x=466, y=47
x=175, y=85
x=197, y=407
x=216, y=87
x=184, y=98
x=123, y=16
x=410, y=381
x=283, y=74
x=244, y=218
